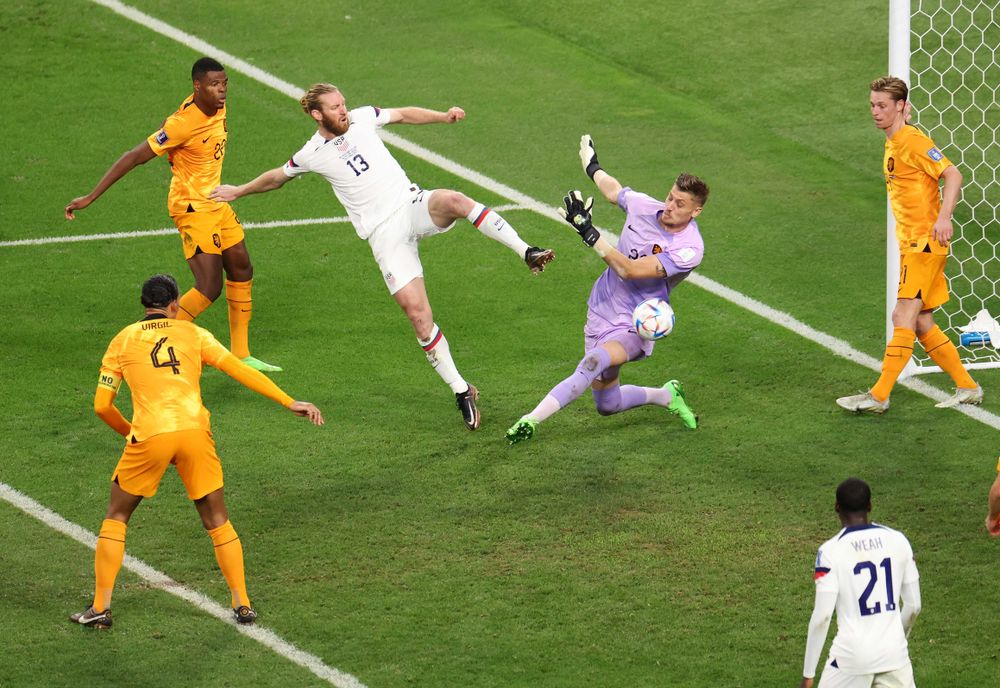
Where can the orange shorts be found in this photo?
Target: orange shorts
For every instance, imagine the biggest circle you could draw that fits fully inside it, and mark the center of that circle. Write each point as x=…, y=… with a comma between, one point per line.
x=212, y=231
x=143, y=464
x=921, y=276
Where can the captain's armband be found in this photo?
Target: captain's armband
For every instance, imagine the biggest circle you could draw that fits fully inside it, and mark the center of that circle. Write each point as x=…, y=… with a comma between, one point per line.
x=109, y=380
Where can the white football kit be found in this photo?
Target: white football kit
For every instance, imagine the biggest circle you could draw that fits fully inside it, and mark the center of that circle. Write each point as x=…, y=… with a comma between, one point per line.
x=385, y=207
x=865, y=571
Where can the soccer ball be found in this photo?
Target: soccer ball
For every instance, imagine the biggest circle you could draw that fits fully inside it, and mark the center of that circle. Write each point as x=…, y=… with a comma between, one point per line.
x=653, y=319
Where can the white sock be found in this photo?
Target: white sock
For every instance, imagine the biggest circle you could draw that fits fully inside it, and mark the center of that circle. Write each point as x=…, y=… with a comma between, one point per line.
x=439, y=356
x=495, y=227
x=546, y=407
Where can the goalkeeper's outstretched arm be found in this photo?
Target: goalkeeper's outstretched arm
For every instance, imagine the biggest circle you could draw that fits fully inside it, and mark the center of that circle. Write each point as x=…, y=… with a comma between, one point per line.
x=606, y=184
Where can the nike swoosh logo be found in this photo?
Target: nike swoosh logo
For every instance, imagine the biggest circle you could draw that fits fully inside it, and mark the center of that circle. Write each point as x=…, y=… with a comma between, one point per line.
x=205, y=140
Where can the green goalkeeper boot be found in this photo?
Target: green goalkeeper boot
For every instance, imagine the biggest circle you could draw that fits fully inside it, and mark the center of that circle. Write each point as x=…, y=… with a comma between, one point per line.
x=678, y=405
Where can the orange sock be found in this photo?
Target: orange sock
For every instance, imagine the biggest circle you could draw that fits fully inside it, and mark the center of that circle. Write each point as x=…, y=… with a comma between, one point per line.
x=897, y=355
x=229, y=554
x=108, y=561
x=193, y=303
x=240, y=312
x=943, y=352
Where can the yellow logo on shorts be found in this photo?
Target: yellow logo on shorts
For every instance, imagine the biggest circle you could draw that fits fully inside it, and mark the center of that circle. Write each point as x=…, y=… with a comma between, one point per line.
x=217, y=240
x=187, y=238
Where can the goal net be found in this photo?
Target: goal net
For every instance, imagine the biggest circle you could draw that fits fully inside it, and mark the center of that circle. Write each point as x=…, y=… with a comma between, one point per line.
x=948, y=51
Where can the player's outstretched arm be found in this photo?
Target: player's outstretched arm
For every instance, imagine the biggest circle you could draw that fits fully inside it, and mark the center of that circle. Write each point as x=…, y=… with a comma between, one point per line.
x=606, y=184
x=139, y=155
x=418, y=115
x=260, y=383
x=577, y=213
x=269, y=181
x=104, y=407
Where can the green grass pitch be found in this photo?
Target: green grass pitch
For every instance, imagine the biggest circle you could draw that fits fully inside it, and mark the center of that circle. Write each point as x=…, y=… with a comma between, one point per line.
x=392, y=543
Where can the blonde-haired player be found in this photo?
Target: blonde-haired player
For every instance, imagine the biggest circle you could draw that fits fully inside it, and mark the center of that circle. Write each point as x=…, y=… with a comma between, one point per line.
x=194, y=139
x=913, y=165
x=161, y=358
x=390, y=212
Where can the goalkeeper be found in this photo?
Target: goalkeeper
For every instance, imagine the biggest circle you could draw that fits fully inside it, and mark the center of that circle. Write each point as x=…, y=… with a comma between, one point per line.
x=660, y=245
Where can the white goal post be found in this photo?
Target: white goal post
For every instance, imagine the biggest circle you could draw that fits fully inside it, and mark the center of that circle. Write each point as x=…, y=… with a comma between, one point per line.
x=948, y=51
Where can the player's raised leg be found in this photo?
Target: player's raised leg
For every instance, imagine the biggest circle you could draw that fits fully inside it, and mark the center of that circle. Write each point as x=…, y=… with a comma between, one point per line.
x=412, y=298
x=446, y=206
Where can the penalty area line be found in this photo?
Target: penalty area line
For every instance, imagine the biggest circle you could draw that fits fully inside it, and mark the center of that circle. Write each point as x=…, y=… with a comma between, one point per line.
x=158, y=579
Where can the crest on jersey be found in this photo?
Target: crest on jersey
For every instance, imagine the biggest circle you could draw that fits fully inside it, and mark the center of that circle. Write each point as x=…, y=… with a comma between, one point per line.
x=657, y=249
x=935, y=155
x=342, y=144
x=890, y=165
x=160, y=137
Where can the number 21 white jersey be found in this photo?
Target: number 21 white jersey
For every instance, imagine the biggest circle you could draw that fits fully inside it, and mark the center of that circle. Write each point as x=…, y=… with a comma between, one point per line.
x=365, y=177
x=867, y=566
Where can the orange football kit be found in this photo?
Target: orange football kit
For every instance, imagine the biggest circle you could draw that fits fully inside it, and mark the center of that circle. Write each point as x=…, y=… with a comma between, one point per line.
x=195, y=145
x=161, y=361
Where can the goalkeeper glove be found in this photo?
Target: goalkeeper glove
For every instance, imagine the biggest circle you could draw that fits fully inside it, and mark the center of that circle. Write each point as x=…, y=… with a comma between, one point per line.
x=588, y=156
x=577, y=213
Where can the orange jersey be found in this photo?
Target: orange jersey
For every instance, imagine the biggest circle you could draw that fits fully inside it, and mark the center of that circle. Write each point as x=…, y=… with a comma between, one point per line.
x=161, y=360
x=912, y=167
x=195, y=145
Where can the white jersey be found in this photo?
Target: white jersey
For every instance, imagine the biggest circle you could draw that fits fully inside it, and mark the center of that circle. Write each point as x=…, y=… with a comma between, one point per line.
x=365, y=177
x=867, y=566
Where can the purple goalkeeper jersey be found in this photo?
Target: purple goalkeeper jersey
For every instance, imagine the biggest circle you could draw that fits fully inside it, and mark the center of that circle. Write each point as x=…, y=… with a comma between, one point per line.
x=613, y=299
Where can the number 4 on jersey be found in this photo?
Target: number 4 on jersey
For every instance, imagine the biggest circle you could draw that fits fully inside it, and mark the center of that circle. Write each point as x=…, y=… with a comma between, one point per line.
x=171, y=361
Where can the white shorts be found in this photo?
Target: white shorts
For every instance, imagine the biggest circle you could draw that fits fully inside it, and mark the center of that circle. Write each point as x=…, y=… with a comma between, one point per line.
x=394, y=242
x=834, y=677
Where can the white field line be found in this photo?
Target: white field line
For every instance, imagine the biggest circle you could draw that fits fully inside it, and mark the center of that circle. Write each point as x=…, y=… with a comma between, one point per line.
x=139, y=233
x=837, y=346
x=162, y=581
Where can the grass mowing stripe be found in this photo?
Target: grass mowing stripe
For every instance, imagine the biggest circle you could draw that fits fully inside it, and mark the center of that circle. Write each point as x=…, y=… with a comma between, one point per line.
x=162, y=581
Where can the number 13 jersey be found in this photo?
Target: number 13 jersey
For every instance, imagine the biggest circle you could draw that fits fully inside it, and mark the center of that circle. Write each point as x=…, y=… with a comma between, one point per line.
x=867, y=566
x=365, y=177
